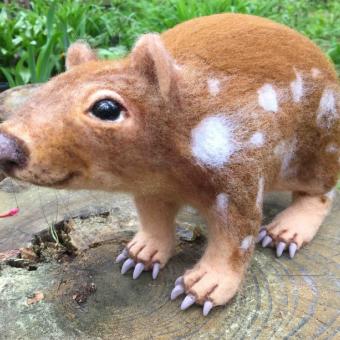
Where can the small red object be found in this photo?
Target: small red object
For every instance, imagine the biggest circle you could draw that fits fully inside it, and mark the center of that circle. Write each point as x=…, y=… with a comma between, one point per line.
x=12, y=212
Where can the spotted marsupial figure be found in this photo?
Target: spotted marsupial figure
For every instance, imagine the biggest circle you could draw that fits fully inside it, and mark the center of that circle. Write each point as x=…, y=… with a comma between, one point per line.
x=212, y=113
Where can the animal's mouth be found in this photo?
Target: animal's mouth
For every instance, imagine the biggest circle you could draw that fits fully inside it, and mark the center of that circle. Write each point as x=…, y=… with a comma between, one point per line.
x=64, y=181
x=49, y=183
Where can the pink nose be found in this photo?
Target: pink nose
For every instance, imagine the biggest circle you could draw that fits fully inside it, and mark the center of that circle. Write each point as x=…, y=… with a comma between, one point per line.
x=12, y=154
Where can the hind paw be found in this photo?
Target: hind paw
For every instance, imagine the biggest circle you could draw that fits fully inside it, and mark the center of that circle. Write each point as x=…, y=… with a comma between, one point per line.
x=296, y=225
x=268, y=239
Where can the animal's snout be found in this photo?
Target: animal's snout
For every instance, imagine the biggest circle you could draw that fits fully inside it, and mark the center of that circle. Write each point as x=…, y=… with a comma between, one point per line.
x=12, y=153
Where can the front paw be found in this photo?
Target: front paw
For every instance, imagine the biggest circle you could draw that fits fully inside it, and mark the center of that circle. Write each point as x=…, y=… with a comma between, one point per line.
x=207, y=284
x=146, y=252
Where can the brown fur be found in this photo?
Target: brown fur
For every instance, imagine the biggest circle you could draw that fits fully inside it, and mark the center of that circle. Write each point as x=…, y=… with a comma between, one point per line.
x=79, y=53
x=149, y=154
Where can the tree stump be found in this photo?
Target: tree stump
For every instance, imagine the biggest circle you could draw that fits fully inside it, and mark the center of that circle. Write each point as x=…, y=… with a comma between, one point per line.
x=89, y=298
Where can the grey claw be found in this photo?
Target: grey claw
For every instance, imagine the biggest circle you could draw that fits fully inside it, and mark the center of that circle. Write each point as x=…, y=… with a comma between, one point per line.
x=179, y=281
x=292, y=249
x=188, y=301
x=155, y=270
x=138, y=270
x=177, y=291
x=280, y=248
x=128, y=264
x=122, y=256
x=266, y=241
x=261, y=235
x=207, y=307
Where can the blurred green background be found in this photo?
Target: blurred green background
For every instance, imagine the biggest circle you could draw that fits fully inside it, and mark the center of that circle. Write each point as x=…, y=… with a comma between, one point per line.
x=34, y=35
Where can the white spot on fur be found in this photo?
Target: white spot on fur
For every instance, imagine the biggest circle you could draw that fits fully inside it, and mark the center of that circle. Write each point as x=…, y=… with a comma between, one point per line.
x=286, y=152
x=213, y=141
x=315, y=72
x=222, y=201
x=257, y=139
x=260, y=192
x=178, y=67
x=332, y=148
x=327, y=111
x=214, y=86
x=296, y=87
x=246, y=242
x=331, y=194
x=268, y=98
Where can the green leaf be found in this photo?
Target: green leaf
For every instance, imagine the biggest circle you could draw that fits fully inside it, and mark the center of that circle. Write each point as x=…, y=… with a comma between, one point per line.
x=8, y=77
x=50, y=19
x=20, y=71
x=334, y=53
x=31, y=63
x=44, y=58
x=65, y=37
x=17, y=40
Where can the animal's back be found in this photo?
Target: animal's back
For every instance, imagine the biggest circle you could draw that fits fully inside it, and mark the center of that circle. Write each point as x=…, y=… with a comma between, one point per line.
x=278, y=81
x=246, y=45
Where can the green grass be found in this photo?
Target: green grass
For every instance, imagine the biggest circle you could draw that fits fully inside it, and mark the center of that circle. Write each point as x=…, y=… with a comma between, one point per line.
x=33, y=41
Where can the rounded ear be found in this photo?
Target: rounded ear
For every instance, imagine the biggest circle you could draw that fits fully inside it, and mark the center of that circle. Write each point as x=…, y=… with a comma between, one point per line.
x=78, y=53
x=151, y=60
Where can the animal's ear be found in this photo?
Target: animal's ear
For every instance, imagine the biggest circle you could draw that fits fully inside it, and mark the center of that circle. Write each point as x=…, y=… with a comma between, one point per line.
x=151, y=59
x=78, y=53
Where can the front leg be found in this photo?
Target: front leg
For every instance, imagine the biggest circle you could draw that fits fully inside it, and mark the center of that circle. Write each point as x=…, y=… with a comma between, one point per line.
x=154, y=243
x=215, y=279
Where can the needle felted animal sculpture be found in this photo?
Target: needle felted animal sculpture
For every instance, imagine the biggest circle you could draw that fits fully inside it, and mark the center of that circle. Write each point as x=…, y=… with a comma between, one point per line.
x=212, y=113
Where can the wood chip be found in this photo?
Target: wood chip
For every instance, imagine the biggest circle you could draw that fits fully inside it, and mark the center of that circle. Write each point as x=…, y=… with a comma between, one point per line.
x=37, y=297
x=9, y=254
x=28, y=254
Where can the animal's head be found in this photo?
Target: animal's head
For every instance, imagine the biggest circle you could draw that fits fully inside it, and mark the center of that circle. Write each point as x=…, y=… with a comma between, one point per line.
x=101, y=124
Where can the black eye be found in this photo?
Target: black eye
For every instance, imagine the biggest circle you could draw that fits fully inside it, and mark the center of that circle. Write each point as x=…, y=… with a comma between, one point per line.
x=107, y=109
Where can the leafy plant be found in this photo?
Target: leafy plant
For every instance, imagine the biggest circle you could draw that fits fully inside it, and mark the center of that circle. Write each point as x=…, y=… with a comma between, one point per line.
x=33, y=42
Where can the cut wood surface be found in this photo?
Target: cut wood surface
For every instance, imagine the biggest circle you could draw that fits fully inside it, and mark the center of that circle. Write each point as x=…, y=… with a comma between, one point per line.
x=88, y=298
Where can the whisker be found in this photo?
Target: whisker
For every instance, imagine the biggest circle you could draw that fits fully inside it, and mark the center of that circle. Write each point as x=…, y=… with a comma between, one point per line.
x=50, y=226
x=13, y=192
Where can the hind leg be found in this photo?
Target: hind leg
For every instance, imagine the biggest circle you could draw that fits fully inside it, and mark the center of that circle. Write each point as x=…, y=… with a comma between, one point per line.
x=298, y=224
